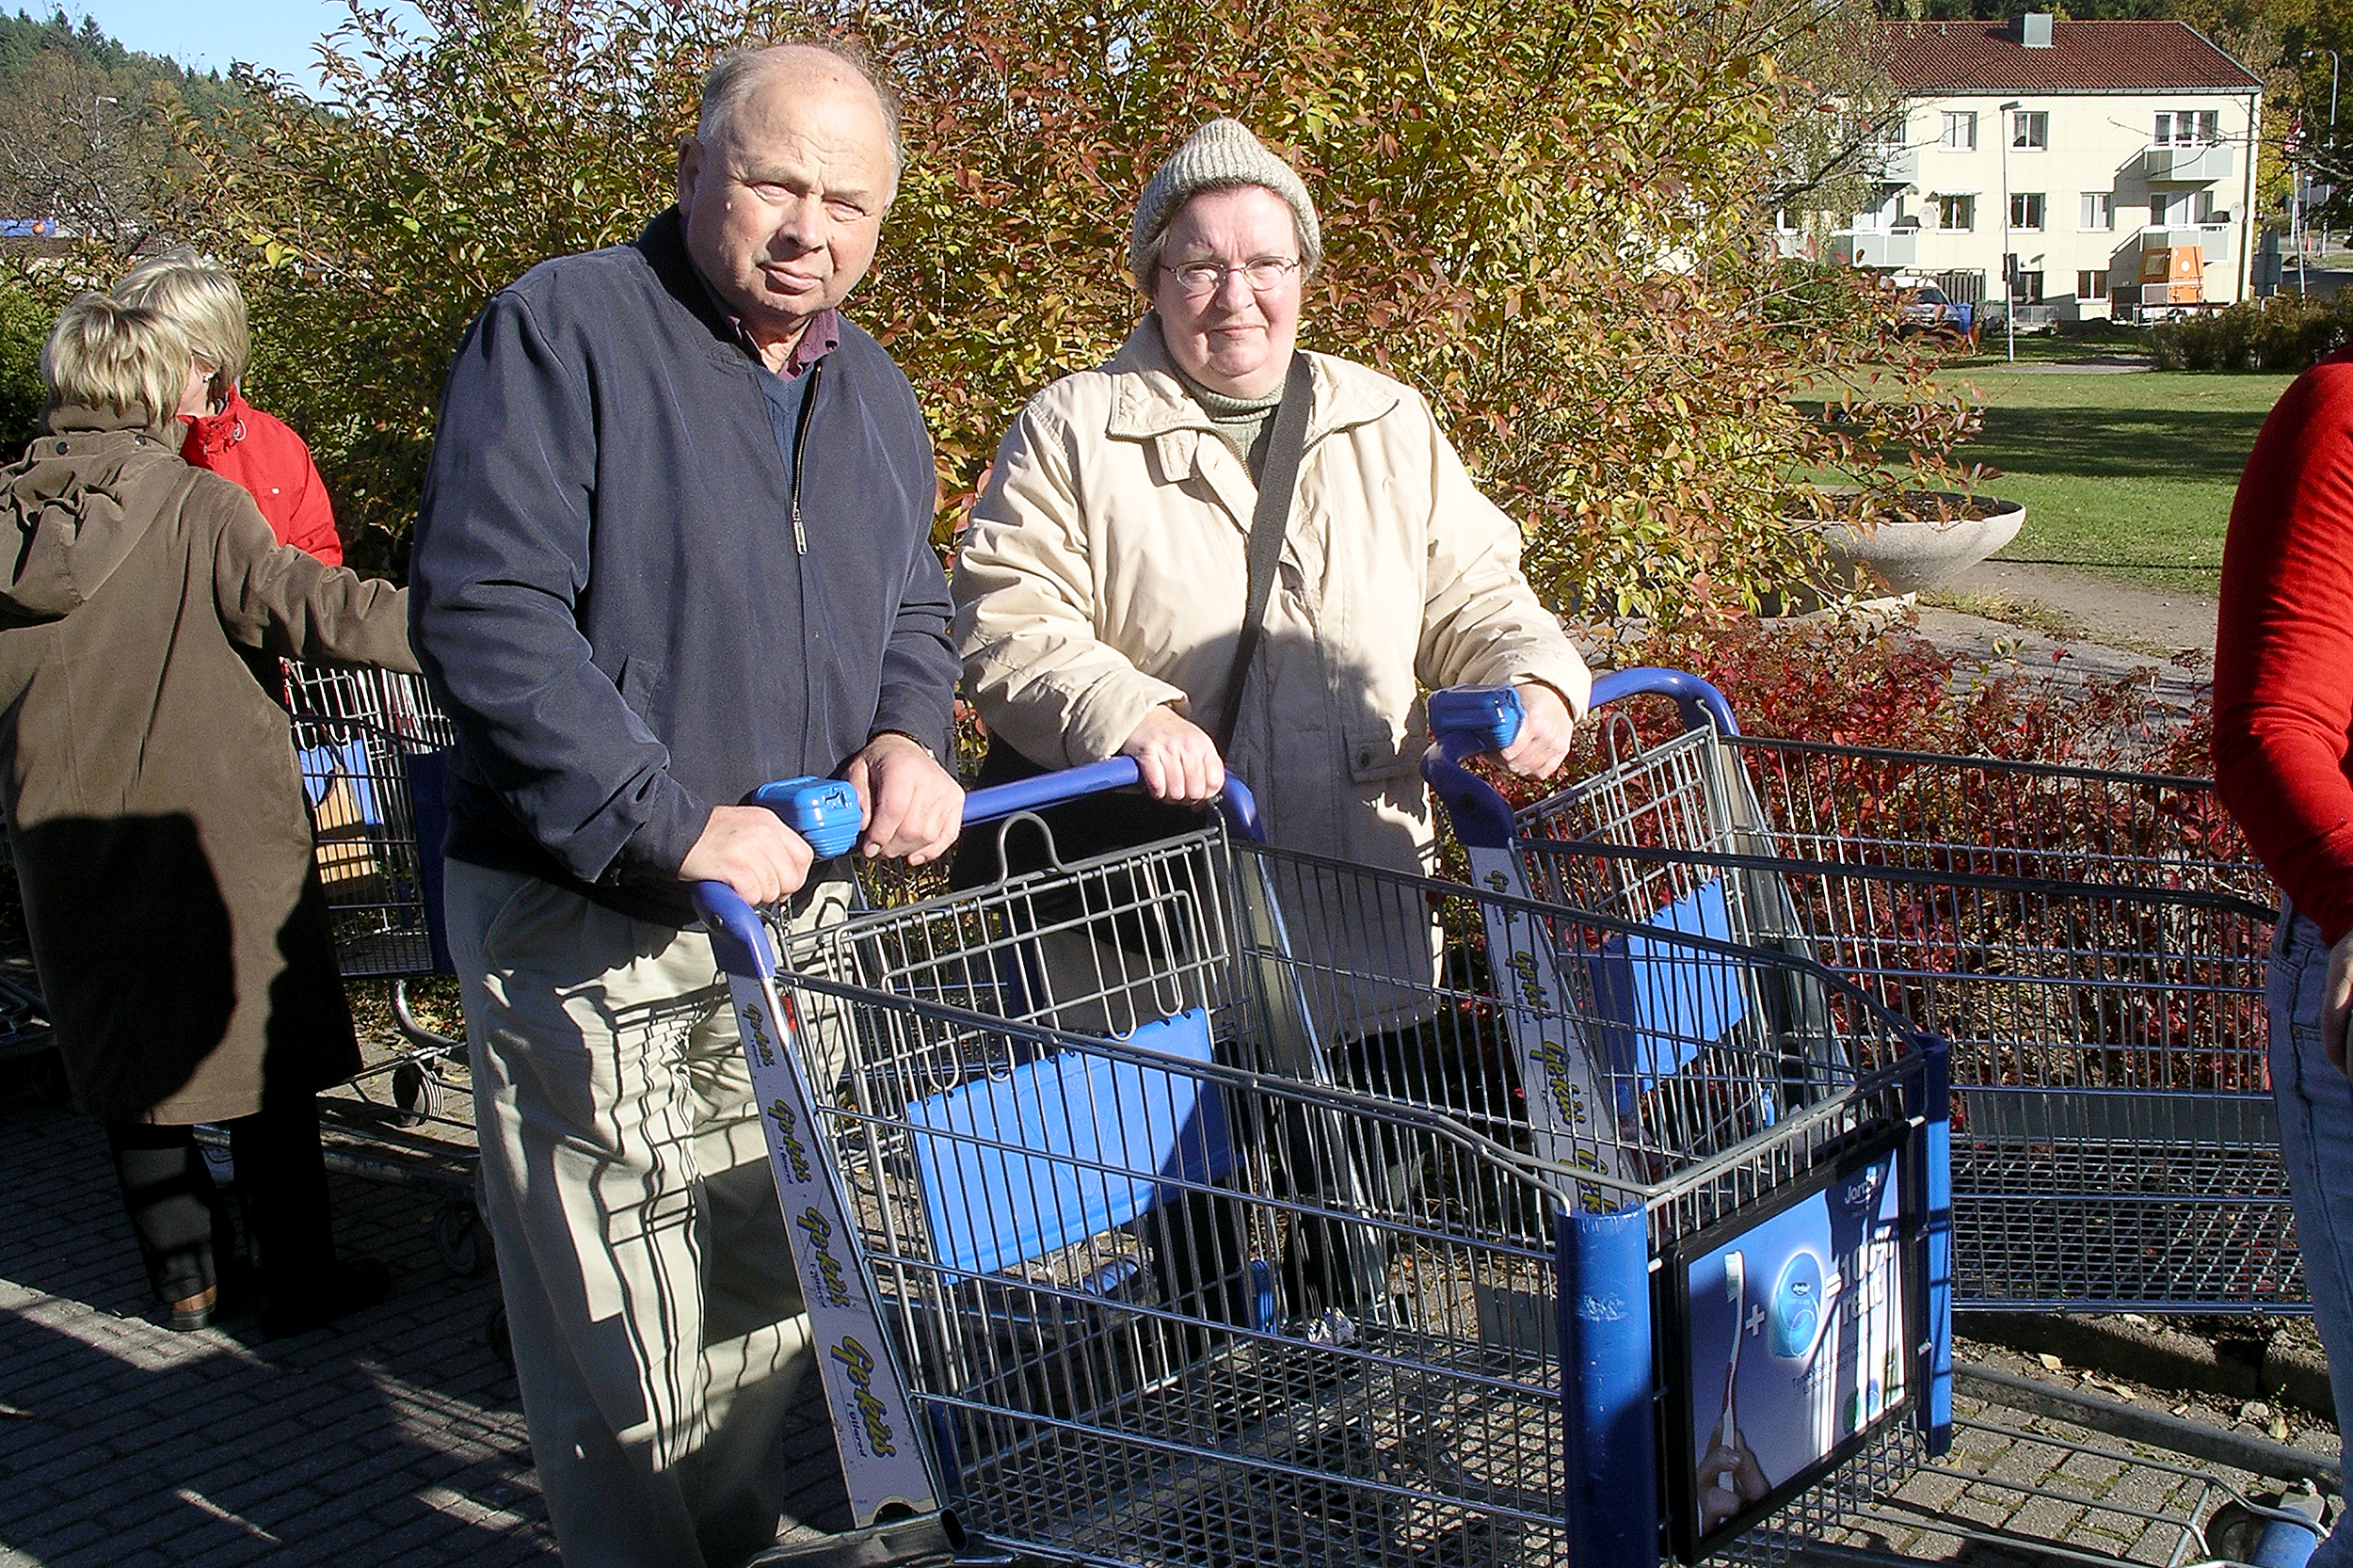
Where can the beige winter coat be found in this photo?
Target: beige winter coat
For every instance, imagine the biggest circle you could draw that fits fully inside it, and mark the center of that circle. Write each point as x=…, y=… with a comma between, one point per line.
x=1106, y=571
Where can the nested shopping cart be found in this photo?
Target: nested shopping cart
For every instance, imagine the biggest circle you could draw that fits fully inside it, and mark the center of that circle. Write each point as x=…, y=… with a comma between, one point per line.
x=370, y=745
x=1138, y=1229
x=2092, y=942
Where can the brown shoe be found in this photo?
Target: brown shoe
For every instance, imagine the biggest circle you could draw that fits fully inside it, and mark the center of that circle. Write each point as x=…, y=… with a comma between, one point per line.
x=194, y=1312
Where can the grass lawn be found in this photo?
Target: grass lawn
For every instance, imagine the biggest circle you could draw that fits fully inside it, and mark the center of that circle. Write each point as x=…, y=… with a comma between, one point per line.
x=2127, y=475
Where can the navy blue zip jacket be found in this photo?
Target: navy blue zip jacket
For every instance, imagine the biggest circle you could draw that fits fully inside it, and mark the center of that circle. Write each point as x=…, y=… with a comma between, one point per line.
x=605, y=587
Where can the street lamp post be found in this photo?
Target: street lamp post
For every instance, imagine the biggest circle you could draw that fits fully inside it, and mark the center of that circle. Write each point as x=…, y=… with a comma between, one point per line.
x=2009, y=272
x=2336, y=64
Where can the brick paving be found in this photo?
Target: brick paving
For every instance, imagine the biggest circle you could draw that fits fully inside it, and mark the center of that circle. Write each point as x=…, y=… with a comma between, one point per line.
x=396, y=1437
x=393, y=1438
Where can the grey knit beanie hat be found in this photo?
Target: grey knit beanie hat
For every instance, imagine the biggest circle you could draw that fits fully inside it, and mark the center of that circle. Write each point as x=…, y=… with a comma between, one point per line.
x=1221, y=154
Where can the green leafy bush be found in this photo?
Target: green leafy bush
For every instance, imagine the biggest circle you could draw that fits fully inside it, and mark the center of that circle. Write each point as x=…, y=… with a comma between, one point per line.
x=2286, y=332
x=1539, y=212
x=25, y=317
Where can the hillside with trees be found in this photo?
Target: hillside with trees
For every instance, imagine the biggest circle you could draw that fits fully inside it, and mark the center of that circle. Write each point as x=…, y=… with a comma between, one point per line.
x=87, y=143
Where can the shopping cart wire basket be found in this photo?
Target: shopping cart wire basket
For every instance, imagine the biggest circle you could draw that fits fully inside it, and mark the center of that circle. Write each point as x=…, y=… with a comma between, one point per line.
x=1119, y=1251
x=371, y=746
x=2092, y=942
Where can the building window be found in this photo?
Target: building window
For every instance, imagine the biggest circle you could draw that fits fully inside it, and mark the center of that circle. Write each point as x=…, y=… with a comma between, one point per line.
x=1957, y=212
x=2092, y=284
x=1961, y=131
x=1783, y=222
x=2030, y=129
x=2180, y=206
x=2025, y=208
x=2098, y=211
x=2190, y=128
x=2029, y=291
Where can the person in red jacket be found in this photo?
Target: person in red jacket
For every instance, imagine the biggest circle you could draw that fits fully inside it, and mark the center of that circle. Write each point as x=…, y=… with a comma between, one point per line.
x=225, y=434
x=2283, y=760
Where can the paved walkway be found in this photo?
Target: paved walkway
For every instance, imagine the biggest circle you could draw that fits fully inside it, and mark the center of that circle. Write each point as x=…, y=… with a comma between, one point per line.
x=394, y=1440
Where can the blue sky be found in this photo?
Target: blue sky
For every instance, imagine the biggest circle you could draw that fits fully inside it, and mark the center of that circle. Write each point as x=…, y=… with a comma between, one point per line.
x=210, y=34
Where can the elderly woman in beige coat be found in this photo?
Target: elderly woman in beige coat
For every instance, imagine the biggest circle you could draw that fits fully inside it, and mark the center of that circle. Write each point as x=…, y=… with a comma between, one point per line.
x=1100, y=591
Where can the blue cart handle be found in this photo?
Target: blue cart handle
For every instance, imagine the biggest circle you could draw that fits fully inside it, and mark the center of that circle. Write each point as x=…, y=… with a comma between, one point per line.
x=739, y=939
x=1467, y=720
x=1113, y=773
x=1699, y=700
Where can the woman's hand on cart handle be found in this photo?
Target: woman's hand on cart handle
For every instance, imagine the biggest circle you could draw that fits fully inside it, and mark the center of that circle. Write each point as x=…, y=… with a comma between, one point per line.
x=1542, y=742
x=749, y=849
x=1113, y=773
x=1175, y=759
x=2336, y=1002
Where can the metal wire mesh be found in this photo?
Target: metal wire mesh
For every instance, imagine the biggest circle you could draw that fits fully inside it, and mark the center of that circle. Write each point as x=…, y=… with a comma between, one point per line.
x=356, y=735
x=1238, y=1288
x=2091, y=943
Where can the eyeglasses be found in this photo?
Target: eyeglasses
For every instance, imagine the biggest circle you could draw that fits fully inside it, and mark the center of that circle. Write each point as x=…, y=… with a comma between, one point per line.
x=1201, y=279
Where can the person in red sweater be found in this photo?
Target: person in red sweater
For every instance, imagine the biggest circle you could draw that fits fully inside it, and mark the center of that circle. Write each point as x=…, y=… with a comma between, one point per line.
x=225, y=434
x=2283, y=760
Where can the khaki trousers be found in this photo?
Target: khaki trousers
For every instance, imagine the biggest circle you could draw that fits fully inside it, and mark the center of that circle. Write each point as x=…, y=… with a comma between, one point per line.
x=649, y=1289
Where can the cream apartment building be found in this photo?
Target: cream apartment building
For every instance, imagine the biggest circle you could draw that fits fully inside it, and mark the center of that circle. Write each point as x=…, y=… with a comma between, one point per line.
x=2081, y=148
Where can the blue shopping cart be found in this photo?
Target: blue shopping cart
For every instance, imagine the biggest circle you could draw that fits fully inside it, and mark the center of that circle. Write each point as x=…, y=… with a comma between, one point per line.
x=1127, y=1242
x=2092, y=942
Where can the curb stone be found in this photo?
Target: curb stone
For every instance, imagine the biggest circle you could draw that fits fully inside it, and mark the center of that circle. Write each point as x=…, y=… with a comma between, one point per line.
x=2247, y=1367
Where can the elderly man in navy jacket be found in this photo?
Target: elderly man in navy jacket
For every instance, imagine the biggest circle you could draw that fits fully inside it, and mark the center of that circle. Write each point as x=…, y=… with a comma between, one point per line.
x=675, y=543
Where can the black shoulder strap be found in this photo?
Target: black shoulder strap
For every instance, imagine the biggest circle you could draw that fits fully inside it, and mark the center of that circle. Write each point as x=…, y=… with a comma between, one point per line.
x=1275, y=483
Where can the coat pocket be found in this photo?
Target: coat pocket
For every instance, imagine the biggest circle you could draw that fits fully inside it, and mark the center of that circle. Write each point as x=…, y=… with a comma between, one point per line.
x=1377, y=754
x=639, y=683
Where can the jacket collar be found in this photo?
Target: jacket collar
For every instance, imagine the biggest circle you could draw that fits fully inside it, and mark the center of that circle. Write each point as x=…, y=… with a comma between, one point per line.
x=219, y=432
x=663, y=246
x=1148, y=399
x=76, y=419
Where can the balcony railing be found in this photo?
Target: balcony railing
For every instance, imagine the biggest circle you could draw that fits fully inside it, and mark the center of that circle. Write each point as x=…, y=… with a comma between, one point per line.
x=2190, y=165
x=1884, y=248
x=2214, y=239
x=1893, y=166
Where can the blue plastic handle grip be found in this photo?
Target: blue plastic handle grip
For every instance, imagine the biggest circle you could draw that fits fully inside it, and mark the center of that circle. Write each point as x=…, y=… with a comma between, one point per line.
x=738, y=939
x=1467, y=720
x=824, y=811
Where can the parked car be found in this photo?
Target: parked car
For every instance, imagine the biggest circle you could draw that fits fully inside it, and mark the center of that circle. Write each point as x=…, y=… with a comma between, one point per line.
x=1926, y=308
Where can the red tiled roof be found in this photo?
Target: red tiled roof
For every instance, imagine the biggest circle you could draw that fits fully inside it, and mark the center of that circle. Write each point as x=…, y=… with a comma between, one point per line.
x=2084, y=57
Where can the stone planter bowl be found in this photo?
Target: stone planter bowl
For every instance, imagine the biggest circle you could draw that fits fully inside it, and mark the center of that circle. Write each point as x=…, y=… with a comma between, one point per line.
x=1899, y=557
x=1912, y=555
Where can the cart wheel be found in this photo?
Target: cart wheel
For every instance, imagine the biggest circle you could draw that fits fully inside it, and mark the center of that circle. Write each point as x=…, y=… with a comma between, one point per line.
x=412, y=1091
x=494, y=1334
x=458, y=1236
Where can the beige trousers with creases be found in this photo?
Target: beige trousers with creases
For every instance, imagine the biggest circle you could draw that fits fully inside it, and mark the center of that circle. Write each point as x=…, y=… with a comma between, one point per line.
x=649, y=1290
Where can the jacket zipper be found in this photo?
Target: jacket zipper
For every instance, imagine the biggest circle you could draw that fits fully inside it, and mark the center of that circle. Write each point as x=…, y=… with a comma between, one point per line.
x=800, y=445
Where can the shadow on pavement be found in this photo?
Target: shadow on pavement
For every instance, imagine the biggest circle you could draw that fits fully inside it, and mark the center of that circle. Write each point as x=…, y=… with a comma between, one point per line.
x=394, y=1437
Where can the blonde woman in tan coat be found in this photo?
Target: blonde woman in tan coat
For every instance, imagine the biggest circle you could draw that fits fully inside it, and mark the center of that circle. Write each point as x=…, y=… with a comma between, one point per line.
x=1100, y=591
x=156, y=813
